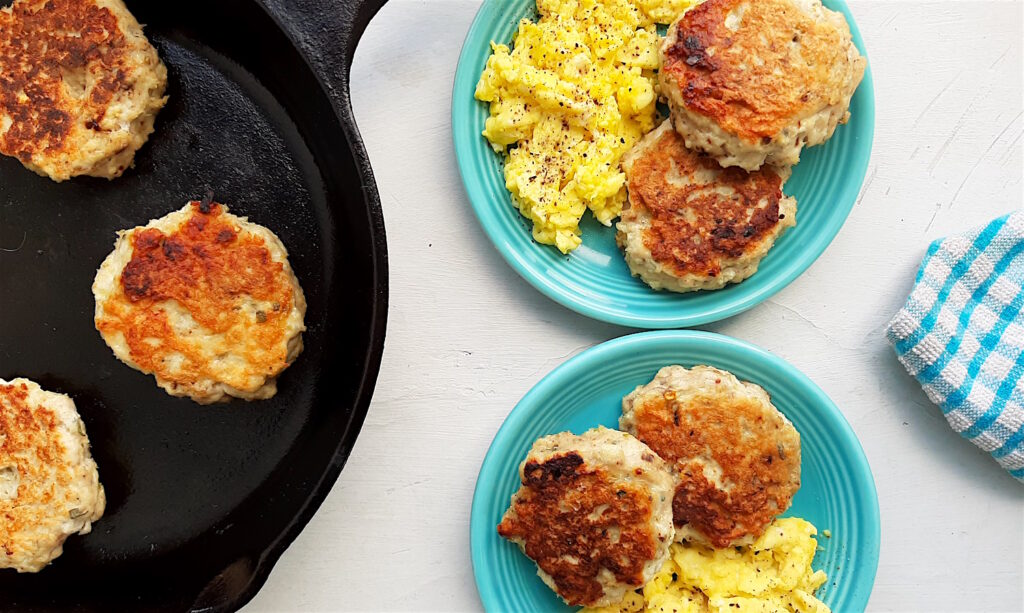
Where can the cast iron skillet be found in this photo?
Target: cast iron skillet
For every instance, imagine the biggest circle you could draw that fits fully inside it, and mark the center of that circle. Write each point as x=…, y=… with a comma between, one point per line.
x=203, y=500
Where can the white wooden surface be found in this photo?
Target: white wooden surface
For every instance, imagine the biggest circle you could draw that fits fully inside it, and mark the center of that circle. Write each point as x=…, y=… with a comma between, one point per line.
x=467, y=337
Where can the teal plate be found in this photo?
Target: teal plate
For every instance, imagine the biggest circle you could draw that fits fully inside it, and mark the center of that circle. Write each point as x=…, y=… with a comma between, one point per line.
x=837, y=491
x=594, y=279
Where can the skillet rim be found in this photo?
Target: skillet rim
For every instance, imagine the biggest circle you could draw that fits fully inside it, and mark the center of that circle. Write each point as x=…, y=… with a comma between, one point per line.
x=341, y=105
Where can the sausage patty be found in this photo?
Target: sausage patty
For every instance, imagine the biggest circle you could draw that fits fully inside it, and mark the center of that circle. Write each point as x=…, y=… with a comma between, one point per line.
x=594, y=512
x=751, y=82
x=692, y=225
x=203, y=300
x=80, y=86
x=736, y=456
x=49, y=484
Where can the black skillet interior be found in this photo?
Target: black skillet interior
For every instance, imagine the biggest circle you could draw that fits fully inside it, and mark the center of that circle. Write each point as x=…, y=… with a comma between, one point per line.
x=203, y=500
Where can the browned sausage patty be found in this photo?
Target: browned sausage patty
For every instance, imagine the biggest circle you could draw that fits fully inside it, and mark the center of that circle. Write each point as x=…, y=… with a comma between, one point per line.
x=751, y=82
x=594, y=512
x=49, y=484
x=205, y=301
x=737, y=457
x=80, y=86
x=692, y=225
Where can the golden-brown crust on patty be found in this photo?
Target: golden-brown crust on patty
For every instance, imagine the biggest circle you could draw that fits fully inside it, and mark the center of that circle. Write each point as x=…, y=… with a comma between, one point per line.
x=33, y=54
x=555, y=518
x=63, y=63
x=49, y=483
x=738, y=463
x=756, y=80
x=29, y=442
x=694, y=226
x=215, y=272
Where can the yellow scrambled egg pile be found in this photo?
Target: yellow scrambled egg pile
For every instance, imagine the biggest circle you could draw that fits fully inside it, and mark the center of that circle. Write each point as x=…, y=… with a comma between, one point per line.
x=567, y=101
x=772, y=575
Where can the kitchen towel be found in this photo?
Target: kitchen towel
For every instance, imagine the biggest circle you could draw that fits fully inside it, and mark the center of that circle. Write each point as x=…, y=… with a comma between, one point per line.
x=961, y=334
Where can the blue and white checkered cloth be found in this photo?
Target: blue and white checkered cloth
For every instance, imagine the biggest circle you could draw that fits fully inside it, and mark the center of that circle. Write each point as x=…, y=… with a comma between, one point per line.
x=961, y=334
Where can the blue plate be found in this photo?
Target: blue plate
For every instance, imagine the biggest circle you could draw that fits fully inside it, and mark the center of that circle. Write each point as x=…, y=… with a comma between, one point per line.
x=594, y=279
x=837, y=491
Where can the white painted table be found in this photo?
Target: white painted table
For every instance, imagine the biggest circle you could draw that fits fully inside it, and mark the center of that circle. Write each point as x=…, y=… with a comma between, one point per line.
x=467, y=337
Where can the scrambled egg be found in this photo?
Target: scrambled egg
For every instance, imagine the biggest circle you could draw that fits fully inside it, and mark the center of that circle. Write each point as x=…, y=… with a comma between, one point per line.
x=774, y=574
x=572, y=96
